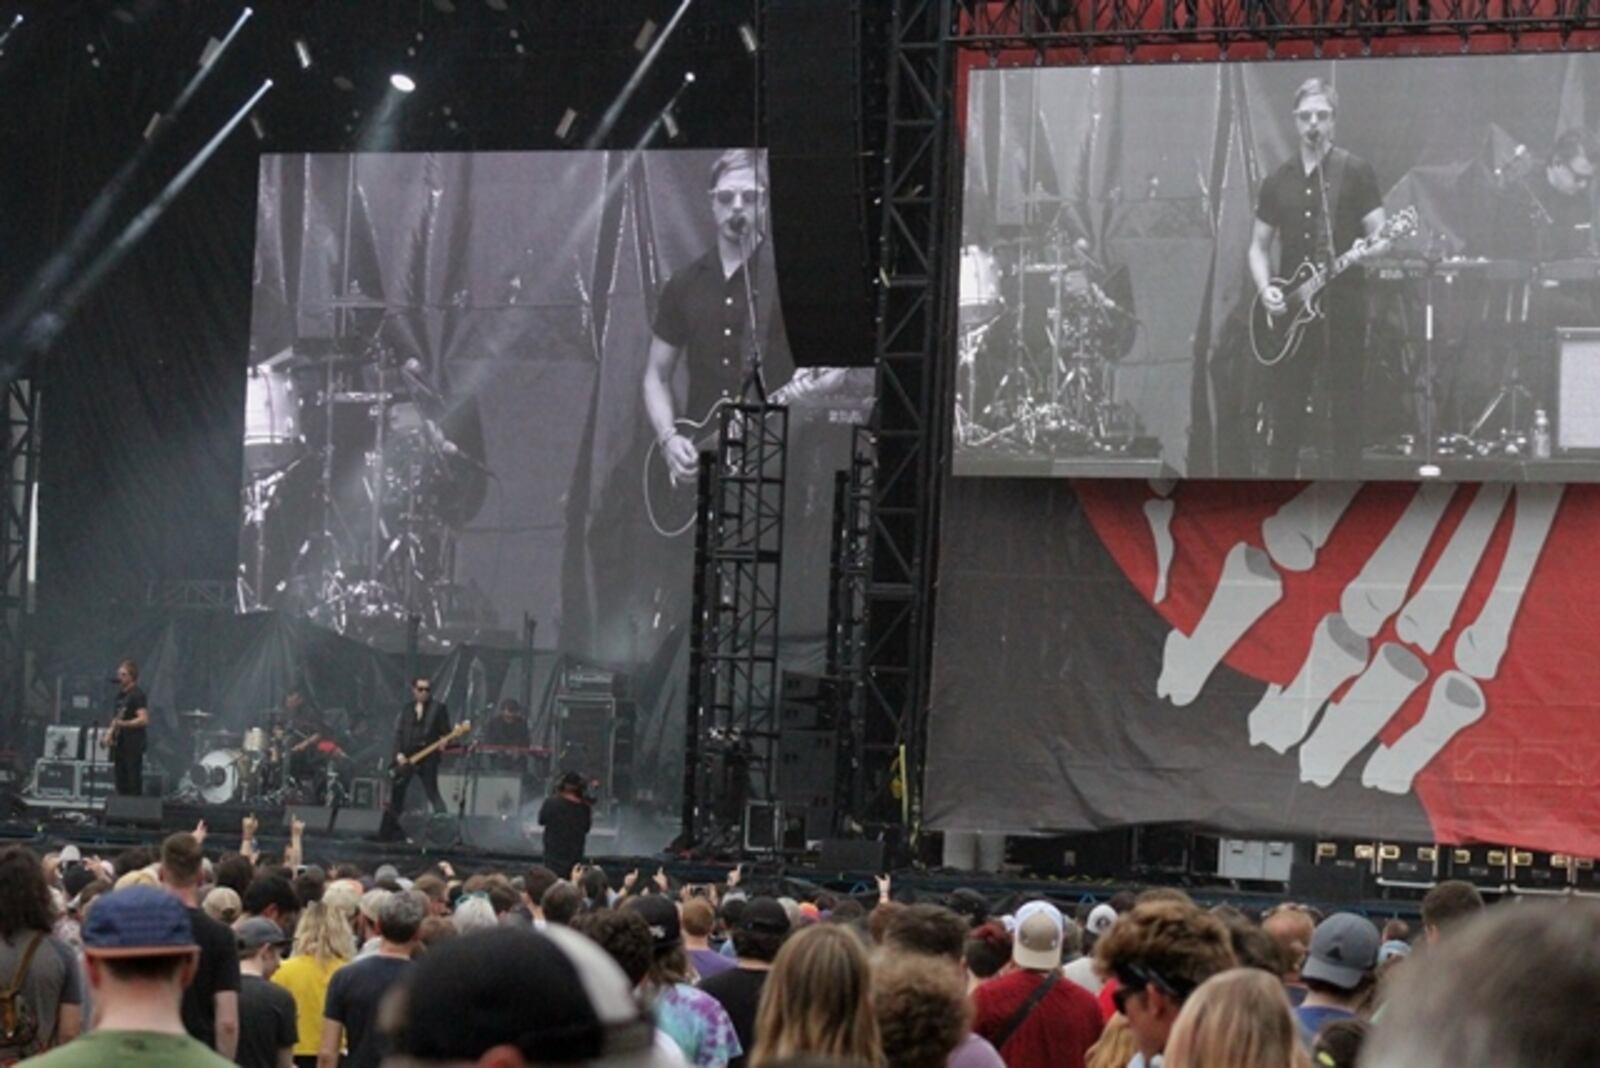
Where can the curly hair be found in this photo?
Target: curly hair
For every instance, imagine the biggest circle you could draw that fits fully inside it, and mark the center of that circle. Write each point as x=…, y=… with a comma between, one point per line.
x=25, y=903
x=623, y=934
x=818, y=999
x=1176, y=941
x=923, y=1011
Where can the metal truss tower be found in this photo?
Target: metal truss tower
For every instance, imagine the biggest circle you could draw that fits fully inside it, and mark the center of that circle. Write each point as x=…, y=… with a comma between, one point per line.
x=732, y=728
x=19, y=478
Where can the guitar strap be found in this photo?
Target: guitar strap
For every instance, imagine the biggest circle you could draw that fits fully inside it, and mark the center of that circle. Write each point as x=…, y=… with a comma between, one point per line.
x=1337, y=158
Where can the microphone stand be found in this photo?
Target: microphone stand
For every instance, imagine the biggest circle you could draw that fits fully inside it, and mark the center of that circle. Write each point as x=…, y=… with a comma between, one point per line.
x=757, y=374
x=1330, y=254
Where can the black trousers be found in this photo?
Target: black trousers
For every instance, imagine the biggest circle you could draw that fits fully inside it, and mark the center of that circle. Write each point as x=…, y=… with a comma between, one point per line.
x=127, y=767
x=428, y=772
x=1332, y=356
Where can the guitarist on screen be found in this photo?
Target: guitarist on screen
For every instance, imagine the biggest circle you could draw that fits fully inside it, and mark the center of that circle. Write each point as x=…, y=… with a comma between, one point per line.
x=421, y=722
x=1317, y=205
x=701, y=333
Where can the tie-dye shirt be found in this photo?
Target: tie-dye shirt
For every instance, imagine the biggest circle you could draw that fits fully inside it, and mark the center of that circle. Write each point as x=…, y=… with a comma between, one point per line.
x=699, y=1025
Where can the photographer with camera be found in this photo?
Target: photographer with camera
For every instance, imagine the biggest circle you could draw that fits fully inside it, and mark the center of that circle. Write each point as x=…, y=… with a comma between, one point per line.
x=566, y=816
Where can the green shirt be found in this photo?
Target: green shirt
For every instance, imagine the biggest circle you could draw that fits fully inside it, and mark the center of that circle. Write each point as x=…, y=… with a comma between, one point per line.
x=130, y=1049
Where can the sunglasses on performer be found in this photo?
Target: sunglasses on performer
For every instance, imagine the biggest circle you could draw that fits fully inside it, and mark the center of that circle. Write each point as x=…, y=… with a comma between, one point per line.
x=748, y=197
x=1307, y=114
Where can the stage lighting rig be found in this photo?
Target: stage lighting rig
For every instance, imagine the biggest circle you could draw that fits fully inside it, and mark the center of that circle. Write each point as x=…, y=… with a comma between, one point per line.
x=402, y=82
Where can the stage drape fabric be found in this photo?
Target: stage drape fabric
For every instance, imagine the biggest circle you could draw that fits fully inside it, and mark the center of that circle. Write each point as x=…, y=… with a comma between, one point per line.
x=1156, y=169
x=1451, y=626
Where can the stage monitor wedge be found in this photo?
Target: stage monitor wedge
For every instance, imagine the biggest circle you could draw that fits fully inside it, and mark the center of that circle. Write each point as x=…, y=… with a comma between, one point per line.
x=127, y=811
x=822, y=126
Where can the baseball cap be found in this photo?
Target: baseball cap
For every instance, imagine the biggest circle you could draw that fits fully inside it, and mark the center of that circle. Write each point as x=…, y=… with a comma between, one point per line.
x=1344, y=948
x=553, y=994
x=1101, y=919
x=70, y=854
x=386, y=873
x=662, y=916
x=1039, y=934
x=139, y=921
x=258, y=931
x=1395, y=947
x=764, y=914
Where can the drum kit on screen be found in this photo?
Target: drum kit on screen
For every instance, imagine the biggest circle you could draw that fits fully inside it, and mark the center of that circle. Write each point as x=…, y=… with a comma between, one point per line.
x=261, y=765
x=352, y=488
x=1038, y=341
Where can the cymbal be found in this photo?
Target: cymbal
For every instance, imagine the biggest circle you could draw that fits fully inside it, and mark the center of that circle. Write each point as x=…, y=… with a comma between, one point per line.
x=358, y=300
x=195, y=714
x=362, y=398
x=1053, y=268
x=336, y=361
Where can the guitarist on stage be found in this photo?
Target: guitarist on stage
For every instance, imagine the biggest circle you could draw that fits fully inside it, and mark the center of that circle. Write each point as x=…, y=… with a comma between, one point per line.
x=702, y=322
x=1316, y=206
x=421, y=722
x=130, y=725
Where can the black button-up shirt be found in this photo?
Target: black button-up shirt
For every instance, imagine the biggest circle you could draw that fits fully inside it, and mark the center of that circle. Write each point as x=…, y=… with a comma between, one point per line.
x=1291, y=202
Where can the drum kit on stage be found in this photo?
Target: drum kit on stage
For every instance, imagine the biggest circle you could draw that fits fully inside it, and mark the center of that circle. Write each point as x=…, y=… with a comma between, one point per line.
x=349, y=480
x=253, y=767
x=1037, y=346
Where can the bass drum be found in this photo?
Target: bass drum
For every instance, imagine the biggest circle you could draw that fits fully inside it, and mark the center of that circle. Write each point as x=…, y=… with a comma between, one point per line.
x=216, y=777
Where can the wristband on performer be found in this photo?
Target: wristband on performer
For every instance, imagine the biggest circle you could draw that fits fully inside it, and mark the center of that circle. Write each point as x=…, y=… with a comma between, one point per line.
x=663, y=439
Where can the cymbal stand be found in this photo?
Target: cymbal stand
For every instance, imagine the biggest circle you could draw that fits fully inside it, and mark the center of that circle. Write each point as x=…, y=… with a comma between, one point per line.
x=1511, y=387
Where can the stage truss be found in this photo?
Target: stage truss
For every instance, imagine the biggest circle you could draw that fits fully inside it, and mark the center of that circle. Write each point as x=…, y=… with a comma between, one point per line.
x=19, y=478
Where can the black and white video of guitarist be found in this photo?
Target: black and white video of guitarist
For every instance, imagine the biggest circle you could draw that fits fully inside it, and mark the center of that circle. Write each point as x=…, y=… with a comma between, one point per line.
x=700, y=351
x=1316, y=206
x=422, y=722
x=130, y=727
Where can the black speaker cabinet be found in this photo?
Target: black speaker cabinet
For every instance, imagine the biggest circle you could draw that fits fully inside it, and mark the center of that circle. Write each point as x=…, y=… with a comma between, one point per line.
x=851, y=854
x=125, y=811
x=320, y=819
x=1332, y=884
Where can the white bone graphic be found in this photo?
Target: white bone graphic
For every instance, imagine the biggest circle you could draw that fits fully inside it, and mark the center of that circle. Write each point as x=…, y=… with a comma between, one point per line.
x=1455, y=703
x=1427, y=616
x=1350, y=724
x=1249, y=585
x=1158, y=513
x=1284, y=713
x=1295, y=532
x=1374, y=595
x=1481, y=645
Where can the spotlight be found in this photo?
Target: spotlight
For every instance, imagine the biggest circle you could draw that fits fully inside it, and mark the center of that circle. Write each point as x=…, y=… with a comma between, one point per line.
x=402, y=82
x=302, y=52
x=258, y=128
x=647, y=33
x=343, y=84
x=747, y=34
x=564, y=127
x=671, y=123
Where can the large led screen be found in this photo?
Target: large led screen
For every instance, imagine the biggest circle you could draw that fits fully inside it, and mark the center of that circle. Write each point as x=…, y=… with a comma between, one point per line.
x=1355, y=269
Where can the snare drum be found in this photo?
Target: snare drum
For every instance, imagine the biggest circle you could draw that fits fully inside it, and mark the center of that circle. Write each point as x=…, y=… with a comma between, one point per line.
x=271, y=420
x=980, y=287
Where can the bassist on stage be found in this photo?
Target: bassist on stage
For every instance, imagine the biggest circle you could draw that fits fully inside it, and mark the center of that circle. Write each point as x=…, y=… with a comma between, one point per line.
x=129, y=726
x=1316, y=206
x=421, y=722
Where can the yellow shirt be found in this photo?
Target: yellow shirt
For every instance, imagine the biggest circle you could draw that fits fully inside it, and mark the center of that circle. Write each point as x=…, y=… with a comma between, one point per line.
x=307, y=979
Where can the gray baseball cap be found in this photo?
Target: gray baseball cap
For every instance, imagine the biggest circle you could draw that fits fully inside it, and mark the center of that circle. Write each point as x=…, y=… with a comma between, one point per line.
x=1344, y=948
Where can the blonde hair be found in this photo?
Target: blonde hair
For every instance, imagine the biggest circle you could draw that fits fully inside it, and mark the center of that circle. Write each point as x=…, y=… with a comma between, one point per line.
x=324, y=934
x=818, y=1000
x=138, y=877
x=222, y=904
x=1115, y=1047
x=1237, y=1019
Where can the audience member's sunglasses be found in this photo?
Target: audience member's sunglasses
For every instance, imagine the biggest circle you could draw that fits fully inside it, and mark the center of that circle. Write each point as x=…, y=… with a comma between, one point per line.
x=1134, y=978
x=424, y=689
x=1307, y=114
x=747, y=197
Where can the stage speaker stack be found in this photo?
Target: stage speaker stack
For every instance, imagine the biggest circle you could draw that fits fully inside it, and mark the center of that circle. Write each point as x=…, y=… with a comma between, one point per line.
x=1537, y=872
x=823, y=61
x=1408, y=865
x=808, y=756
x=1486, y=867
x=586, y=727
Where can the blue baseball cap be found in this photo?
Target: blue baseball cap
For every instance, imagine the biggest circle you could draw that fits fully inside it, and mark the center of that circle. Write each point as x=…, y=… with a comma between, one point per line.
x=139, y=921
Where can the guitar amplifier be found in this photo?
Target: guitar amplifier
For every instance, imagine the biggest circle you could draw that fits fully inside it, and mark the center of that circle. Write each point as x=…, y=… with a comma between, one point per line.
x=96, y=780
x=63, y=742
x=55, y=780
x=1578, y=393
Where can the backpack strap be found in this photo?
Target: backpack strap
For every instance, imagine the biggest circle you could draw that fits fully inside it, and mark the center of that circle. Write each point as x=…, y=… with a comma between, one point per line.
x=1025, y=1010
x=21, y=975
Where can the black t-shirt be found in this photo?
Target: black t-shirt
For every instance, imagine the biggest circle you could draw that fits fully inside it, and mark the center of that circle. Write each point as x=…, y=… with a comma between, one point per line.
x=412, y=733
x=503, y=731
x=128, y=704
x=218, y=972
x=354, y=995
x=739, y=991
x=1539, y=222
x=266, y=1022
x=706, y=313
x=1291, y=203
x=566, y=824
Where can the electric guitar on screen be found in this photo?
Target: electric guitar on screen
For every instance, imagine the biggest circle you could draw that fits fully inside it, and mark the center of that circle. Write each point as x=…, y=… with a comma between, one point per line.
x=669, y=501
x=1274, y=338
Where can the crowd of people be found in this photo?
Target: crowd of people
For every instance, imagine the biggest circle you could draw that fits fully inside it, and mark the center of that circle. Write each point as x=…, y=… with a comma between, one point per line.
x=171, y=957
